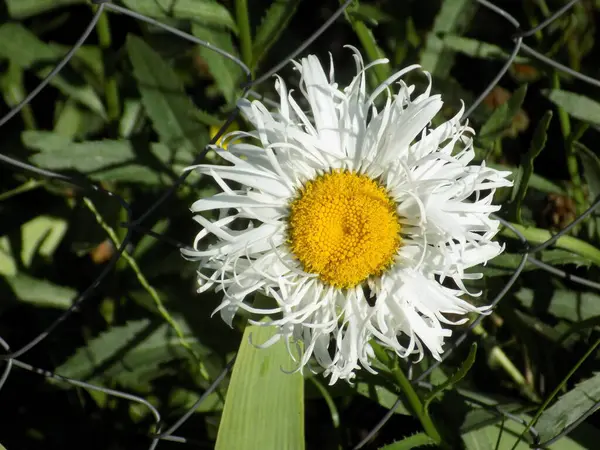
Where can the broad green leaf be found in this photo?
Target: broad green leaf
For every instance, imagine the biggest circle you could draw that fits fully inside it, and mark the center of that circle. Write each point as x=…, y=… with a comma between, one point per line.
x=502, y=117
x=576, y=105
x=521, y=180
x=226, y=73
x=118, y=160
x=130, y=355
x=569, y=408
x=477, y=49
x=23, y=48
x=207, y=12
x=21, y=9
x=273, y=23
x=166, y=103
x=415, y=441
x=502, y=436
x=41, y=293
x=41, y=236
x=564, y=304
x=264, y=408
x=488, y=437
x=452, y=18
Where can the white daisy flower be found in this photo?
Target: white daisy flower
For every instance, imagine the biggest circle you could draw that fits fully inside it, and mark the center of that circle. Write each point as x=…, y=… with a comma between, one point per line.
x=357, y=218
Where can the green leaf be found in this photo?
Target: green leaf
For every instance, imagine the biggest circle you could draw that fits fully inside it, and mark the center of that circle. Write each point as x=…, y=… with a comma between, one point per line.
x=569, y=408
x=521, y=180
x=486, y=437
x=500, y=436
x=564, y=304
x=227, y=74
x=184, y=400
x=591, y=169
x=453, y=17
x=276, y=20
x=408, y=443
x=130, y=355
x=535, y=181
x=264, y=408
x=40, y=293
x=455, y=378
x=382, y=395
x=502, y=117
x=208, y=12
x=507, y=263
x=21, y=9
x=576, y=105
x=477, y=49
x=167, y=105
x=118, y=160
x=41, y=236
x=22, y=47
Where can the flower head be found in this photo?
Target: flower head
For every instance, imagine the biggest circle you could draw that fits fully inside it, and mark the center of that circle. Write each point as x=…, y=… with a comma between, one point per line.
x=358, y=218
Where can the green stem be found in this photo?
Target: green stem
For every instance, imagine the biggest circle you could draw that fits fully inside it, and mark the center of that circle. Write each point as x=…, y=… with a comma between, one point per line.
x=162, y=310
x=243, y=23
x=498, y=357
x=539, y=236
x=369, y=44
x=25, y=187
x=572, y=164
x=555, y=392
x=111, y=89
x=416, y=405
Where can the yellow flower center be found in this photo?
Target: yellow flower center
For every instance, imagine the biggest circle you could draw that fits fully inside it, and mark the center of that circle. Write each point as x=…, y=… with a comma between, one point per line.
x=343, y=226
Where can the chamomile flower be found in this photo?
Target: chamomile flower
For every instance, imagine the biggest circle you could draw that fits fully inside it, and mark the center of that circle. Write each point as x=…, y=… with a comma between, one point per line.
x=359, y=221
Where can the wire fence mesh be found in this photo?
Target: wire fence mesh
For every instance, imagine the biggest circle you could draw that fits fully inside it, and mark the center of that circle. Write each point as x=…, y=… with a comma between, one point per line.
x=12, y=357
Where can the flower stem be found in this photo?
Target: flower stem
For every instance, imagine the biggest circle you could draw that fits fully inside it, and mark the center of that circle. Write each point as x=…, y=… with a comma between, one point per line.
x=416, y=405
x=539, y=235
x=498, y=357
x=241, y=16
x=572, y=165
x=367, y=40
x=111, y=89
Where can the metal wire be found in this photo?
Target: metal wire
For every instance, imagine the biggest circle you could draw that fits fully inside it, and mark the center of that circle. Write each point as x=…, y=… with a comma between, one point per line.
x=136, y=224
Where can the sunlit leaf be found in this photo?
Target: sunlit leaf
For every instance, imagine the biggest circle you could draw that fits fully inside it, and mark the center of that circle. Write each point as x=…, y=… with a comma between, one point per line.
x=275, y=20
x=21, y=9
x=130, y=355
x=23, y=48
x=167, y=105
x=264, y=407
x=569, y=408
x=207, y=12
x=417, y=440
x=226, y=73
x=576, y=105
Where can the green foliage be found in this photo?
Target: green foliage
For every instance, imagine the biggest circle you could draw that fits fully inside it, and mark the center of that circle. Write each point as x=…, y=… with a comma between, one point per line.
x=264, y=406
x=274, y=22
x=415, y=441
x=501, y=118
x=521, y=180
x=569, y=408
x=131, y=355
x=164, y=99
x=576, y=105
x=133, y=109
